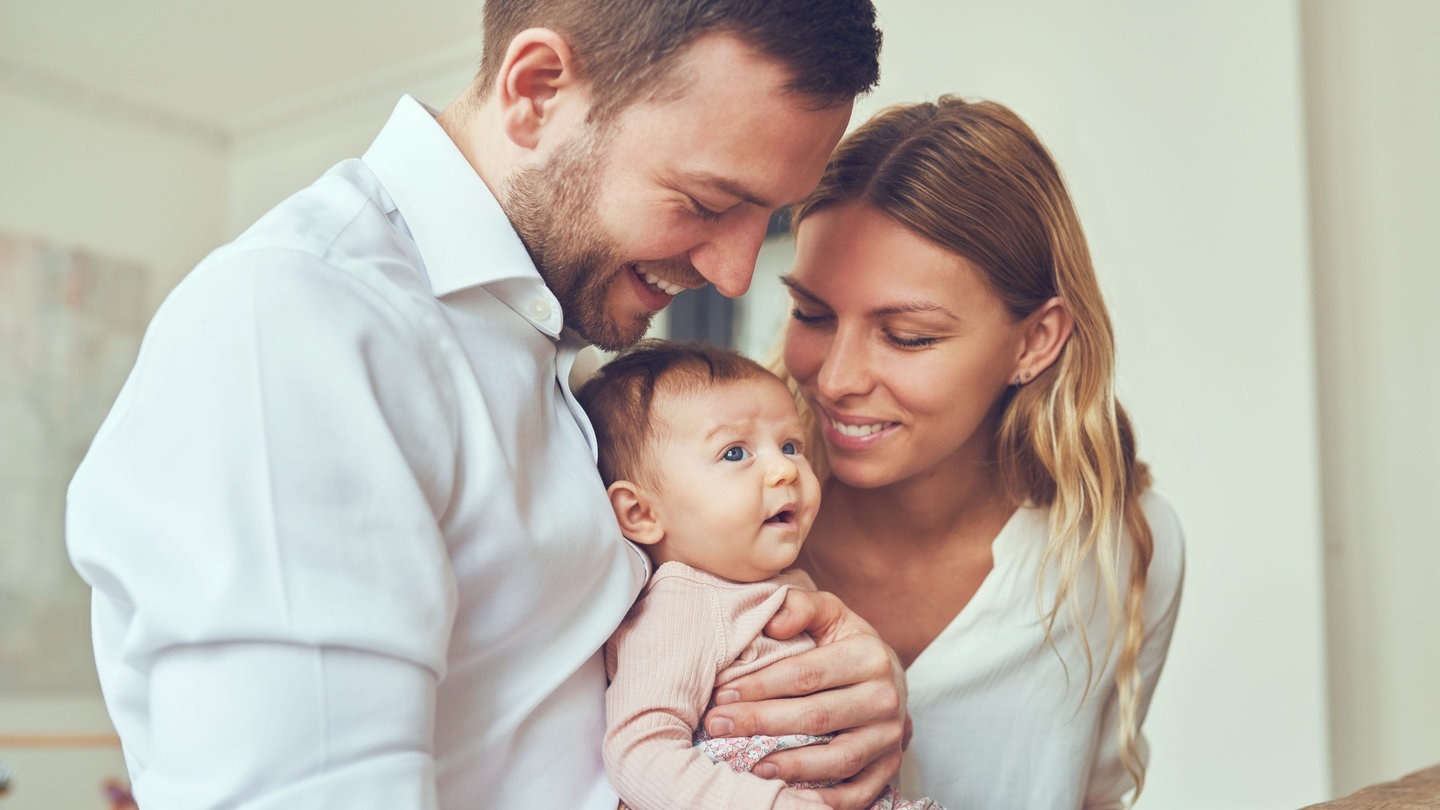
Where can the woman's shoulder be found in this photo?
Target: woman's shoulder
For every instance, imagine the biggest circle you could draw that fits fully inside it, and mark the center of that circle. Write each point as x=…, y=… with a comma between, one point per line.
x=1167, y=562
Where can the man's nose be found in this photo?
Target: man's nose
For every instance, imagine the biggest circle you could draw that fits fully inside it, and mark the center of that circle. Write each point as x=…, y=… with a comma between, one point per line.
x=727, y=258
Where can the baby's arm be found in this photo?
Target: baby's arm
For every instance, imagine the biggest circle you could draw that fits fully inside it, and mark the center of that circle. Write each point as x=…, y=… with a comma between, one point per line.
x=664, y=658
x=851, y=685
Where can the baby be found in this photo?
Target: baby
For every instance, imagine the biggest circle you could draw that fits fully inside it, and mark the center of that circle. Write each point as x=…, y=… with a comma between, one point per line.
x=701, y=450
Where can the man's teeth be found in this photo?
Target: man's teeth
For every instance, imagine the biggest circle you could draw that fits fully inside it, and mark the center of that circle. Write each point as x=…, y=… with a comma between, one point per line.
x=662, y=285
x=857, y=430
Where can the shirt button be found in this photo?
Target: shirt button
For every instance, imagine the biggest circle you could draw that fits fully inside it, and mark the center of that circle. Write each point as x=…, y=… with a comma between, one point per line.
x=540, y=309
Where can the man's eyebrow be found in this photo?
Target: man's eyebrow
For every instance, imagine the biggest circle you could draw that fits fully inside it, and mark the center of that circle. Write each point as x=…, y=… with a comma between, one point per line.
x=733, y=188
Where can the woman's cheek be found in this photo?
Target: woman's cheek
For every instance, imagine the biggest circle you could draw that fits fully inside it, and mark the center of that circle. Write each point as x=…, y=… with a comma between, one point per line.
x=804, y=351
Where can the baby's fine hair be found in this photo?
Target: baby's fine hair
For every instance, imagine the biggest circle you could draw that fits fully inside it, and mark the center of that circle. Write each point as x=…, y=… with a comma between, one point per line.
x=619, y=397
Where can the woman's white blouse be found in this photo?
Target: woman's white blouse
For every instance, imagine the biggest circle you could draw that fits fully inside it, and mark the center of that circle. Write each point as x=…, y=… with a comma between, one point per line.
x=1000, y=723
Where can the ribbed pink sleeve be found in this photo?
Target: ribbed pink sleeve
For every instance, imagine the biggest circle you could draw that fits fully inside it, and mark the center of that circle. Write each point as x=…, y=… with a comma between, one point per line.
x=663, y=662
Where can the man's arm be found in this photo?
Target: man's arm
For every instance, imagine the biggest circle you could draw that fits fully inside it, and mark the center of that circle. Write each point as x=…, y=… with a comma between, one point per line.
x=851, y=685
x=273, y=595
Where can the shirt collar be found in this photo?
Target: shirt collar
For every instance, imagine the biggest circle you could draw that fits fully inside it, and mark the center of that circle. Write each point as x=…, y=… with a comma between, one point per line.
x=463, y=235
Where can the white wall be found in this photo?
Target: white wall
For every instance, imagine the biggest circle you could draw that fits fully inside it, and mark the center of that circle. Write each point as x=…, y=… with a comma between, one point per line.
x=125, y=186
x=1372, y=74
x=268, y=163
x=111, y=180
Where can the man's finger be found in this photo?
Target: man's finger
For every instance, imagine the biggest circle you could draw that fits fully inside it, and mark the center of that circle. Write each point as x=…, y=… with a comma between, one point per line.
x=820, y=713
x=861, y=791
x=837, y=665
x=844, y=757
x=821, y=614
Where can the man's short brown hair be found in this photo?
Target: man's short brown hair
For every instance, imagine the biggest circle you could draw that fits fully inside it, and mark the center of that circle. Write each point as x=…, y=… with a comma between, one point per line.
x=831, y=47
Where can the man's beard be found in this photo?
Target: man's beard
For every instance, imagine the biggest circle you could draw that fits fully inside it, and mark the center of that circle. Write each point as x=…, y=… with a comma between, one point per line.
x=552, y=208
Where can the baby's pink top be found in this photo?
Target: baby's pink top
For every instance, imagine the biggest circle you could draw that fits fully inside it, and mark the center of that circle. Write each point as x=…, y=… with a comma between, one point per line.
x=688, y=633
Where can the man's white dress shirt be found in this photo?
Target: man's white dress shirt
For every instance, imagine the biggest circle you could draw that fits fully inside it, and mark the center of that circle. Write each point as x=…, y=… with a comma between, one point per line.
x=347, y=541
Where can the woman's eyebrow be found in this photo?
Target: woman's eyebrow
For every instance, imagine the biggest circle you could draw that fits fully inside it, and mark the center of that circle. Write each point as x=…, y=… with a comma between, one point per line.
x=921, y=307
x=899, y=308
x=798, y=288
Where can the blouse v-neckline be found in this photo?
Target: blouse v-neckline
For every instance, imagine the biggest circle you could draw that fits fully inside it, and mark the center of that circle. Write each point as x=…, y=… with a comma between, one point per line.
x=1001, y=557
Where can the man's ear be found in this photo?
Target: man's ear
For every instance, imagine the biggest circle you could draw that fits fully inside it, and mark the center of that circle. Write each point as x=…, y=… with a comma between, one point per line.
x=537, y=85
x=635, y=512
x=1046, y=332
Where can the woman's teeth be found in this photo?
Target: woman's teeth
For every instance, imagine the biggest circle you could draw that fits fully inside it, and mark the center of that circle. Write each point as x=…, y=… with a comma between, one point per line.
x=662, y=285
x=858, y=430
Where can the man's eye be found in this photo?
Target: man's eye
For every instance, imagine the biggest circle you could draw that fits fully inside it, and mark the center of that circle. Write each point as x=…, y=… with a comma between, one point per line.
x=735, y=454
x=707, y=214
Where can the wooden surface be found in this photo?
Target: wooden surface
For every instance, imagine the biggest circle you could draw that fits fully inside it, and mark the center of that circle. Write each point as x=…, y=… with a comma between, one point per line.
x=59, y=741
x=1418, y=791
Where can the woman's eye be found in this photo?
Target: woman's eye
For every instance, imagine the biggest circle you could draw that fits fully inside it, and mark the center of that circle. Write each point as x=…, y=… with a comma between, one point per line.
x=804, y=317
x=789, y=449
x=909, y=342
x=735, y=454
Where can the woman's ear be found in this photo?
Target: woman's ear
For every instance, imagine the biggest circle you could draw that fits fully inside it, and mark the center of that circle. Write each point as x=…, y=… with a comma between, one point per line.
x=636, y=513
x=536, y=85
x=1047, y=329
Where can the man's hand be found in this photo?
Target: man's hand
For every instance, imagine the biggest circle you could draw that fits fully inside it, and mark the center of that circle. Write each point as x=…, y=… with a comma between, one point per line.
x=851, y=685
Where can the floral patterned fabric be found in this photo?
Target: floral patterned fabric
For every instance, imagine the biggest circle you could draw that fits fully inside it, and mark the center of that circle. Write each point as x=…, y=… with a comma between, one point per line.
x=742, y=753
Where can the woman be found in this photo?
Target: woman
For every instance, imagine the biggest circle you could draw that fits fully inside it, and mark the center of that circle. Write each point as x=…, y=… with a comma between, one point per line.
x=983, y=506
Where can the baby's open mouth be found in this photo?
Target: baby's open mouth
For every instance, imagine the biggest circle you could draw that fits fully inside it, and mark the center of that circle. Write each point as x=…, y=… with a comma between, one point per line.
x=782, y=518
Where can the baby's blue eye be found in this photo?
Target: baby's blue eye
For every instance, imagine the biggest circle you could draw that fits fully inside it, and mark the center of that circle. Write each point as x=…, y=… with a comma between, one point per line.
x=735, y=454
x=789, y=449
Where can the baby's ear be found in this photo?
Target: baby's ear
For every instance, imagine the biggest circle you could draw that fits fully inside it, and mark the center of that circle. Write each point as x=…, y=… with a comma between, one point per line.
x=635, y=511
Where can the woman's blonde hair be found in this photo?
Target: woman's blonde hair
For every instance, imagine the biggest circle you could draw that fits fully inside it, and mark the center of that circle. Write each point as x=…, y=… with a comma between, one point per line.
x=974, y=179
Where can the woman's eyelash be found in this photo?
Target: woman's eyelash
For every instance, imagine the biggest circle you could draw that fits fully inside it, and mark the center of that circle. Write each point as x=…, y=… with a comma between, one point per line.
x=804, y=318
x=911, y=343
x=892, y=338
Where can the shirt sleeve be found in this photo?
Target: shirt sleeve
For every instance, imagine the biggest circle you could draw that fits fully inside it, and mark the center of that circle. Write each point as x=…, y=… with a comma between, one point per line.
x=1109, y=781
x=259, y=520
x=664, y=658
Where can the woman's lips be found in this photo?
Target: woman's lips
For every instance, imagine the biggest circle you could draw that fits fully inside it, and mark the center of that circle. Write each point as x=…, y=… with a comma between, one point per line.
x=856, y=433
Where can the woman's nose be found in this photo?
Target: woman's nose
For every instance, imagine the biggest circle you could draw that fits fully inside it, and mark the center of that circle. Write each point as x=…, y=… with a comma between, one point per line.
x=845, y=370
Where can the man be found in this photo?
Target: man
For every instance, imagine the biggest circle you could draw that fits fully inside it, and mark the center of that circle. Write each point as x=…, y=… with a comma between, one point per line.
x=347, y=541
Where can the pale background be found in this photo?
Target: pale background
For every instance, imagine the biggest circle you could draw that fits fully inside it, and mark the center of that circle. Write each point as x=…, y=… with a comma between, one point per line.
x=1257, y=178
